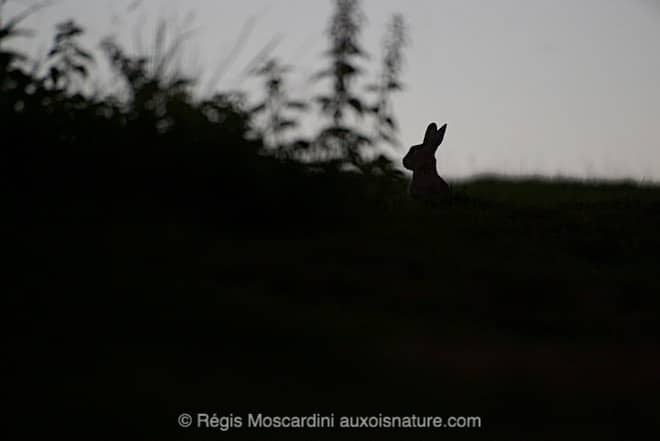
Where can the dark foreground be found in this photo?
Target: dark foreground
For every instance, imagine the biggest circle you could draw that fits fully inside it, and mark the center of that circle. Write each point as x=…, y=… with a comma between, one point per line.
x=531, y=305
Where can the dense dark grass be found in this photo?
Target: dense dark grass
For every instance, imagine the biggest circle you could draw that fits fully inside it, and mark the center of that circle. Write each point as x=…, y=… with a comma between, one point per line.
x=531, y=304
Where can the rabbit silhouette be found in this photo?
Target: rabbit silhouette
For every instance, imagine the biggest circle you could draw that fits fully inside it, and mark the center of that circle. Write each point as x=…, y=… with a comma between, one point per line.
x=426, y=184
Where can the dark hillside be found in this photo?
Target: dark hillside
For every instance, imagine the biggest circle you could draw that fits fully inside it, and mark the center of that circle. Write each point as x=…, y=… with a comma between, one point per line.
x=165, y=255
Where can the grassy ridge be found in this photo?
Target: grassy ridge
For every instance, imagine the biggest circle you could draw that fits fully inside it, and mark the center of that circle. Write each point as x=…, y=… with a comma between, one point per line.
x=530, y=304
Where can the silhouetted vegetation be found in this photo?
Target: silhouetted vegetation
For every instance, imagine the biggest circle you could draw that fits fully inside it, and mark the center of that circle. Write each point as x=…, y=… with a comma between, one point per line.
x=152, y=140
x=179, y=253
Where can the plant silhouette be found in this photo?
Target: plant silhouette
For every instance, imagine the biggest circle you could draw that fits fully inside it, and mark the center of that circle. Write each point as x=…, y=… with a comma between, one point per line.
x=426, y=184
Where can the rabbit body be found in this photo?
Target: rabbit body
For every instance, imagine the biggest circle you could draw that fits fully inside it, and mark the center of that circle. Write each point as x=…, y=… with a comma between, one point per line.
x=420, y=159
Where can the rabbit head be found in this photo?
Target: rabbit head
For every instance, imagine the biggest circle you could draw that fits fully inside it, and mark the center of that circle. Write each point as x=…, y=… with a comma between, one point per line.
x=422, y=157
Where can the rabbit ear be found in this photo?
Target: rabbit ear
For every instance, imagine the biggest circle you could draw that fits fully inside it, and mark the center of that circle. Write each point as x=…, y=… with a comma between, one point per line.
x=440, y=135
x=430, y=135
x=437, y=138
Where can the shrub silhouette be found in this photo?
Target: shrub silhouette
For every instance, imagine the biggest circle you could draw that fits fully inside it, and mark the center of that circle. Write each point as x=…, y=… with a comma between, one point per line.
x=339, y=142
x=155, y=143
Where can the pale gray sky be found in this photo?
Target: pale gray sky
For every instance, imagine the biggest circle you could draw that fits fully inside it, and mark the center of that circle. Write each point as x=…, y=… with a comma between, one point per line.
x=553, y=87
